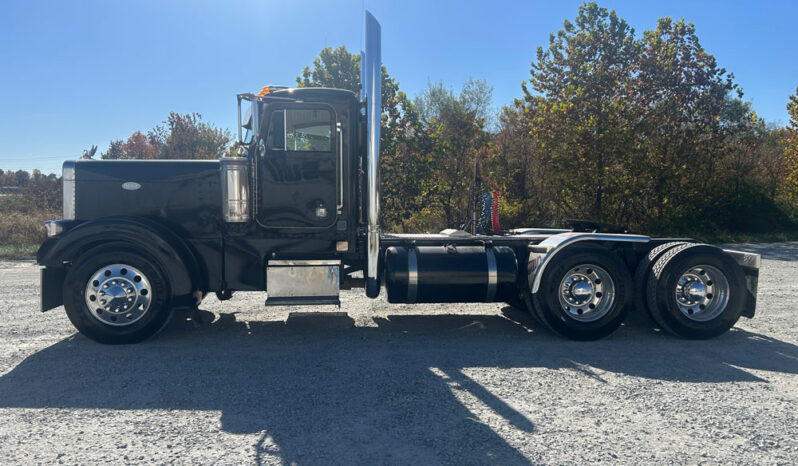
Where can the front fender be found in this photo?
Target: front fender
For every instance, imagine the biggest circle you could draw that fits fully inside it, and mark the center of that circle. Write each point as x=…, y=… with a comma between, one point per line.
x=161, y=243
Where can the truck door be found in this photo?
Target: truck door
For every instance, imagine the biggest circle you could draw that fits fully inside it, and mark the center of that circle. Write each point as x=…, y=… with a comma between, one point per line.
x=298, y=172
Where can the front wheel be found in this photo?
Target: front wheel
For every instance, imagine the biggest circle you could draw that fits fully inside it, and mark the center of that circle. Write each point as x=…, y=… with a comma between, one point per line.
x=115, y=295
x=584, y=293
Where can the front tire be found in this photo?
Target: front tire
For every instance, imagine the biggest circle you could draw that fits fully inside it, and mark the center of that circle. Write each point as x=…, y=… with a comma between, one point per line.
x=584, y=293
x=115, y=295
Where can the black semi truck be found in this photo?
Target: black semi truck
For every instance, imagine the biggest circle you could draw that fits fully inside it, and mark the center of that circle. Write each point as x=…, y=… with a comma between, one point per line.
x=297, y=215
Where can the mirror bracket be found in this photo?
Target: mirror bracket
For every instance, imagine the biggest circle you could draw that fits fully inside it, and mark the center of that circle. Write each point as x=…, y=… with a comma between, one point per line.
x=253, y=119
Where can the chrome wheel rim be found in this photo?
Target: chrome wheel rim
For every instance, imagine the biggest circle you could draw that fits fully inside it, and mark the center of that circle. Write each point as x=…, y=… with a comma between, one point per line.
x=702, y=293
x=587, y=293
x=118, y=295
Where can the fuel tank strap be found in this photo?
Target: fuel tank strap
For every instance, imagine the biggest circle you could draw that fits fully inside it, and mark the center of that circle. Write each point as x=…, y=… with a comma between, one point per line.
x=412, y=275
x=493, y=278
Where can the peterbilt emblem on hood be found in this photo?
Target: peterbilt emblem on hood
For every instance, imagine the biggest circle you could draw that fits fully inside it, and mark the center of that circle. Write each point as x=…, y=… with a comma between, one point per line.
x=131, y=186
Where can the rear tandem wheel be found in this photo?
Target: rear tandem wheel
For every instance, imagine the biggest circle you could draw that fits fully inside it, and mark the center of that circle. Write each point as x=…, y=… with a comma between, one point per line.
x=696, y=291
x=584, y=293
x=643, y=271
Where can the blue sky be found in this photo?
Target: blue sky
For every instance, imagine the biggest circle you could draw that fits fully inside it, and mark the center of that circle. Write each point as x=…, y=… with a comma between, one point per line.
x=77, y=73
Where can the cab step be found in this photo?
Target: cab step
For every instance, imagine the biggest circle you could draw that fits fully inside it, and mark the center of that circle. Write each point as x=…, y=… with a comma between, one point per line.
x=303, y=301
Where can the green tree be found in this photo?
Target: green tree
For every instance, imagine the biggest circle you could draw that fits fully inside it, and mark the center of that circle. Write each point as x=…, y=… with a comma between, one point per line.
x=641, y=132
x=790, y=184
x=454, y=140
x=21, y=178
x=137, y=147
x=522, y=170
x=114, y=151
x=686, y=115
x=188, y=137
x=577, y=108
x=179, y=137
x=43, y=191
x=336, y=68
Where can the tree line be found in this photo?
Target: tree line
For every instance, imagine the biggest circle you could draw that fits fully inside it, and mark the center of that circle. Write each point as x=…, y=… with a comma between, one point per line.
x=648, y=132
x=179, y=137
x=35, y=191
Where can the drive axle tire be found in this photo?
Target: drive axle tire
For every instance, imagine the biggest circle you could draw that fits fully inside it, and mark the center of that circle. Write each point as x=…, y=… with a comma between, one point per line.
x=518, y=303
x=696, y=291
x=521, y=304
x=584, y=293
x=114, y=295
x=643, y=271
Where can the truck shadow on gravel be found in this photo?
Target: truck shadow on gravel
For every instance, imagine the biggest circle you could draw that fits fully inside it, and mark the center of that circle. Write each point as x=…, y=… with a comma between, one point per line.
x=320, y=389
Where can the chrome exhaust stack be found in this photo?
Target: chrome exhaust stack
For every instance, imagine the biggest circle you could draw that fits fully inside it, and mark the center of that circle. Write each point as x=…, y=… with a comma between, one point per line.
x=371, y=82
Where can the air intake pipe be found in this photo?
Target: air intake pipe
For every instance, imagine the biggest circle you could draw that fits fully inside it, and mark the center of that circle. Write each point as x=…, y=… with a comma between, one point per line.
x=371, y=77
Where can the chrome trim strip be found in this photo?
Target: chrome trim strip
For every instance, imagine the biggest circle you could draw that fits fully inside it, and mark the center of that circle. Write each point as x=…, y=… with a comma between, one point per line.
x=240, y=133
x=538, y=231
x=285, y=130
x=302, y=263
x=69, y=195
x=412, y=275
x=371, y=63
x=493, y=276
x=556, y=243
x=364, y=92
x=340, y=206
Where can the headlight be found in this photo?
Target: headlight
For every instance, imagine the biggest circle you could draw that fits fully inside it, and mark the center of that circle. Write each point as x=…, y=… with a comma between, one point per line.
x=68, y=178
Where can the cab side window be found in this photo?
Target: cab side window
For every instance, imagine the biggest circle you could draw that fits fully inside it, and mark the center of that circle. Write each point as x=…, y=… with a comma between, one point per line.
x=301, y=130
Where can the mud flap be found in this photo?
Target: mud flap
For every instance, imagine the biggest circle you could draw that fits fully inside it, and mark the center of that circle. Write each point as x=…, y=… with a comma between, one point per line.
x=750, y=263
x=752, y=283
x=52, y=283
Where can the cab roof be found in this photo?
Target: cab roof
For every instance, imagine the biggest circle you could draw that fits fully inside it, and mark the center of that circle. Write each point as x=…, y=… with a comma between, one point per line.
x=314, y=93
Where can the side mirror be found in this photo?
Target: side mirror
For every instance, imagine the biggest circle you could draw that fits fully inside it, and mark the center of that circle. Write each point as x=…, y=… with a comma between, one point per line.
x=248, y=121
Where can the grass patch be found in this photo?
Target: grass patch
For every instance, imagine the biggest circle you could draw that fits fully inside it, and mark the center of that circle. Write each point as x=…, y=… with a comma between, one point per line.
x=18, y=251
x=22, y=228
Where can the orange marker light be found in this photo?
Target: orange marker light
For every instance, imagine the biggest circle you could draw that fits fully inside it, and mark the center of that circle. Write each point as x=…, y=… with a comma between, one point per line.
x=264, y=91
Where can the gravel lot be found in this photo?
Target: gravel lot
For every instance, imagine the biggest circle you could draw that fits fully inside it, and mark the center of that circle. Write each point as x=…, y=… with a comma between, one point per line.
x=388, y=384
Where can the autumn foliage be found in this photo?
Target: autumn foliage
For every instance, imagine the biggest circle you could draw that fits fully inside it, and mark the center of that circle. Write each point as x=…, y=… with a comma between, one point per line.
x=646, y=131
